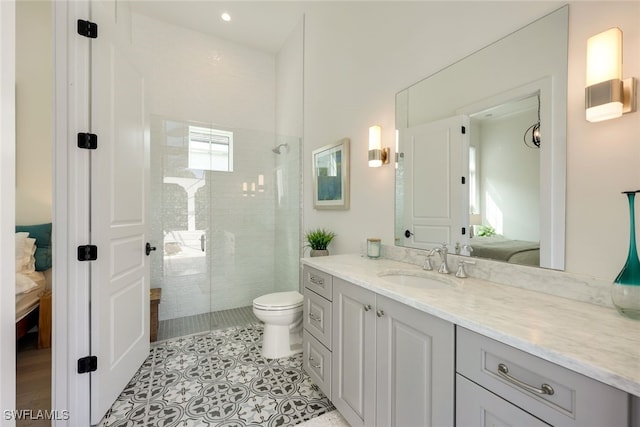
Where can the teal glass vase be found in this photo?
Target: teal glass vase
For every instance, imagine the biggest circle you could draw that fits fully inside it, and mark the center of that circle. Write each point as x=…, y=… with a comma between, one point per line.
x=625, y=292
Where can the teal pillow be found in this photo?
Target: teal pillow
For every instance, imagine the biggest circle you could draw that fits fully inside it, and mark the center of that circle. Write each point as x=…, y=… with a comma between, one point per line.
x=42, y=234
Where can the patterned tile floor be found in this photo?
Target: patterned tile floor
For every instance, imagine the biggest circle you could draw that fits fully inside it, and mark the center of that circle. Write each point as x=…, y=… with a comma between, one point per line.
x=218, y=378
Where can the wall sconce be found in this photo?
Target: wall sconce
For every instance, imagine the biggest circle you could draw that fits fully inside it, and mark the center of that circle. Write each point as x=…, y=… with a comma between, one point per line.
x=378, y=156
x=607, y=96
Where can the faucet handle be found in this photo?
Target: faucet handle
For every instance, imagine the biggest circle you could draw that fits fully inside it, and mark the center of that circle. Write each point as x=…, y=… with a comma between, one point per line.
x=427, y=262
x=461, y=273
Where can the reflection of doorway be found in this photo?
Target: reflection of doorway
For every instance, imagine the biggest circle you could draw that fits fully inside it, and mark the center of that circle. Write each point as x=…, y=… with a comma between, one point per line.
x=33, y=202
x=551, y=164
x=506, y=191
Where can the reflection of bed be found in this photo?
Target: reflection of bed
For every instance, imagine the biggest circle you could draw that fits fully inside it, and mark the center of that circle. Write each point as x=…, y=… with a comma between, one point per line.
x=502, y=249
x=27, y=302
x=33, y=277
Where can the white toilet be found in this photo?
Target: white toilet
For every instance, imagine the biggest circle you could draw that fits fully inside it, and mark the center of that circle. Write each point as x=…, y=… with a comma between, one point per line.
x=281, y=313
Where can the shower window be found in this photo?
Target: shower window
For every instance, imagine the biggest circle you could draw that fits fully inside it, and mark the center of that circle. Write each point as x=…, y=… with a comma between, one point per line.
x=210, y=149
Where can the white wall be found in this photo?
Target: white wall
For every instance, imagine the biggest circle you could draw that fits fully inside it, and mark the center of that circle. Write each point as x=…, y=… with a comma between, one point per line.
x=602, y=158
x=358, y=55
x=510, y=177
x=34, y=101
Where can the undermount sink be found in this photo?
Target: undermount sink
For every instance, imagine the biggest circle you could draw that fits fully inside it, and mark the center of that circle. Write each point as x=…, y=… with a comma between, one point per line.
x=414, y=279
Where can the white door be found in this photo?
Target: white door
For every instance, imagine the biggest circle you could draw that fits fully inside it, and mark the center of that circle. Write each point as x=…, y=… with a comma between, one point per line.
x=120, y=275
x=436, y=208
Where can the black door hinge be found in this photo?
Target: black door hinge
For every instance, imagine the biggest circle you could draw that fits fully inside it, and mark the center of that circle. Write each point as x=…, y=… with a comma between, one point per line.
x=464, y=231
x=463, y=130
x=87, y=141
x=87, y=253
x=87, y=364
x=464, y=180
x=87, y=29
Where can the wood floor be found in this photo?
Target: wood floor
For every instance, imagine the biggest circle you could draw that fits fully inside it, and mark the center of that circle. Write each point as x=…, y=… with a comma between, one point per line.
x=33, y=379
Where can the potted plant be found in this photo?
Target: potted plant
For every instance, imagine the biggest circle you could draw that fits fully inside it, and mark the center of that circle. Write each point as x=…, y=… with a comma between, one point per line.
x=318, y=240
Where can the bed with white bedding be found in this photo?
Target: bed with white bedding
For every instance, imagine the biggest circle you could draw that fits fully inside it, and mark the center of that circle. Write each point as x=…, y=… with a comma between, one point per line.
x=33, y=273
x=27, y=301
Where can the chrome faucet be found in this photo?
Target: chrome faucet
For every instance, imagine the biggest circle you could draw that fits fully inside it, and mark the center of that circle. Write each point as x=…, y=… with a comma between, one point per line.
x=443, y=251
x=427, y=261
x=461, y=273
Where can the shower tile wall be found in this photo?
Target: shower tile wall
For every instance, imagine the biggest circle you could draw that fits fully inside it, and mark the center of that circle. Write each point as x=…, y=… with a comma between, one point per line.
x=241, y=245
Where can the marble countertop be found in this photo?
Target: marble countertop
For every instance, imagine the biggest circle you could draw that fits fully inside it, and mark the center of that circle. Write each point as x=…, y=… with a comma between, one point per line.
x=589, y=339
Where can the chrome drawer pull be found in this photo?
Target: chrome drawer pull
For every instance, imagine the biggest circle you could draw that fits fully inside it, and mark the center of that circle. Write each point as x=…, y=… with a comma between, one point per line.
x=503, y=371
x=317, y=280
x=312, y=365
x=314, y=317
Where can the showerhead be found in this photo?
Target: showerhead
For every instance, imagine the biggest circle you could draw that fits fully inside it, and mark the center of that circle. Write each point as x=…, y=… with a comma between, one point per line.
x=277, y=149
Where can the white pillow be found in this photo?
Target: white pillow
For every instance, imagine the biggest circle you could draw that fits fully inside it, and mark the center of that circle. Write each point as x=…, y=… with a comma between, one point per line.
x=24, y=284
x=21, y=239
x=29, y=258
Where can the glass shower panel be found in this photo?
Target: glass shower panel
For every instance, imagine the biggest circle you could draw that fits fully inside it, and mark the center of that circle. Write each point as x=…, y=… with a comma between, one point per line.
x=226, y=211
x=255, y=221
x=243, y=223
x=179, y=220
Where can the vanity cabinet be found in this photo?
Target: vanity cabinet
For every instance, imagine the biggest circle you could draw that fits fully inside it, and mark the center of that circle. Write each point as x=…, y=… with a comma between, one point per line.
x=392, y=364
x=510, y=387
x=317, y=329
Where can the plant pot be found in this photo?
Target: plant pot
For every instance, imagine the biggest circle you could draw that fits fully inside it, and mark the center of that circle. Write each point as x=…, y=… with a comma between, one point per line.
x=319, y=252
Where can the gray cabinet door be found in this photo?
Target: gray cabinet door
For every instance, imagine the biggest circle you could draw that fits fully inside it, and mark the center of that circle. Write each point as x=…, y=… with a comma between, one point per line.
x=477, y=407
x=415, y=367
x=353, y=384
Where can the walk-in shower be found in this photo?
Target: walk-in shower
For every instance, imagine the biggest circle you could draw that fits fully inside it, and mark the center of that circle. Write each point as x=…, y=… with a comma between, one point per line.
x=226, y=216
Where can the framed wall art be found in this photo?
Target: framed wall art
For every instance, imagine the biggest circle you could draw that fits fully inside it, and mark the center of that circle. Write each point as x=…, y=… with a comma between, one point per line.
x=331, y=176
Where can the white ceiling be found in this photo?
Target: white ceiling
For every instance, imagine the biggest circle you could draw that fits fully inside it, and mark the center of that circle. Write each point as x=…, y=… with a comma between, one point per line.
x=263, y=25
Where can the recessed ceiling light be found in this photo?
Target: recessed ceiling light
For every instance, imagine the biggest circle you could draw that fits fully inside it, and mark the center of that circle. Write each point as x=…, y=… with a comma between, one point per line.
x=225, y=17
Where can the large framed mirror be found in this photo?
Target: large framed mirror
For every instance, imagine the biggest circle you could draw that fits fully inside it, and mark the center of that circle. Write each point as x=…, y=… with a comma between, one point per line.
x=481, y=151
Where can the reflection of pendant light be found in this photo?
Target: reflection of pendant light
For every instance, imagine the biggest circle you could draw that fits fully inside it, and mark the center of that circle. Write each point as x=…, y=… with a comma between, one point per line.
x=534, y=142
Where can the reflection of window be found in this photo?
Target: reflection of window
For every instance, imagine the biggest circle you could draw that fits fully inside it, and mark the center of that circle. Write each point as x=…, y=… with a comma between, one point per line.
x=474, y=205
x=210, y=149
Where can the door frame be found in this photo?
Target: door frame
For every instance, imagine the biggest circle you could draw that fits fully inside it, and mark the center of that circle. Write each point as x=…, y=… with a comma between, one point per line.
x=7, y=208
x=71, y=321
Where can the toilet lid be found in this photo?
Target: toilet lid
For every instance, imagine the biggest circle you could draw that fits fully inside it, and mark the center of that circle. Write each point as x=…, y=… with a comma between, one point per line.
x=278, y=301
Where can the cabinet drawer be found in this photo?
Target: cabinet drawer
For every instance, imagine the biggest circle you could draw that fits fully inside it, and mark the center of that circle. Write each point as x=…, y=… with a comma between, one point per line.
x=552, y=393
x=317, y=317
x=477, y=407
x=318, y=281
x=317, y=362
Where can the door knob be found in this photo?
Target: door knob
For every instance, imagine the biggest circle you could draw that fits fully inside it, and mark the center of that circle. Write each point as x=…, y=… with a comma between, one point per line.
x=380, y=313
x=148, y=248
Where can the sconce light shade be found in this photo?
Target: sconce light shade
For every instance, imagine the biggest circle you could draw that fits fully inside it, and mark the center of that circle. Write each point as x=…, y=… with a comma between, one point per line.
x=605, y=92
x=377, y=155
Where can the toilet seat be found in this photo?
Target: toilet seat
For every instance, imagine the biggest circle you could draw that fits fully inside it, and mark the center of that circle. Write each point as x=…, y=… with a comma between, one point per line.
x=278, y=301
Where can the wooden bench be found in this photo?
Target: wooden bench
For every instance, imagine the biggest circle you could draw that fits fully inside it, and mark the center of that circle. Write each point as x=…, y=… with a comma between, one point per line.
x=154, y=300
